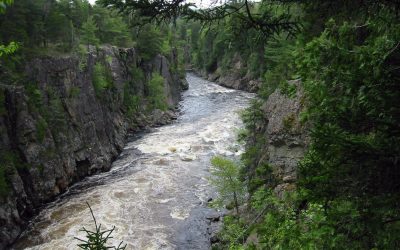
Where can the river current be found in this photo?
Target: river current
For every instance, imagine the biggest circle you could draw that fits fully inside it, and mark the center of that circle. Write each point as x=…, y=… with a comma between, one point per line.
x=157, y=190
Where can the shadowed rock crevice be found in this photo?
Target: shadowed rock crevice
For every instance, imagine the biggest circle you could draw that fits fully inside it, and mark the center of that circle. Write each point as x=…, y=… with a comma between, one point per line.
x=82, y=168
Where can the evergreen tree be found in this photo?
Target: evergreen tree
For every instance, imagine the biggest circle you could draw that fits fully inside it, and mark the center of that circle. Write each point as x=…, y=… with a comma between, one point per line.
x=12, y=46
x=225, y=177
x=88, y=32
x=112, y=27
x=149, y=42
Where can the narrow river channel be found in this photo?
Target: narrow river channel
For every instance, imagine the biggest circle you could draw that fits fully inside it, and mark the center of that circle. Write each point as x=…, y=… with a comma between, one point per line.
x=157, y=190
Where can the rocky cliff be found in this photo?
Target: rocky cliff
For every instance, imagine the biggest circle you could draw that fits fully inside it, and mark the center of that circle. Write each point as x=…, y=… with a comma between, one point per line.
x=279, y=139
x=237, y=76
x=68, y=120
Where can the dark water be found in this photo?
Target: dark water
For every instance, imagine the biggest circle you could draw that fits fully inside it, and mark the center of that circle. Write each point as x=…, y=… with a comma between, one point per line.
x=156, y=192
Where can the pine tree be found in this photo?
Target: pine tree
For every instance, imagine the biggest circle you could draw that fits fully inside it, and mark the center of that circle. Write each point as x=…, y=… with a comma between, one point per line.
x=88, y=32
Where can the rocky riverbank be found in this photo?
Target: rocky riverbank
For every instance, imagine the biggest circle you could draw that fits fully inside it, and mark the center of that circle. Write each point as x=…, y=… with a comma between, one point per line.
x=69, y=120
x=280, y=136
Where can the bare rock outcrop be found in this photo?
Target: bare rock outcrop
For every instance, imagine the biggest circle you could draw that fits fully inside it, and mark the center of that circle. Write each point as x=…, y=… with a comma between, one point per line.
x=282, y=139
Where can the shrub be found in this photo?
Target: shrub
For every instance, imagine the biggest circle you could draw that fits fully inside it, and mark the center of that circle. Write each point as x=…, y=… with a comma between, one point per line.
x=132, y=103
x=136, y=73
x=156, y=96
x=55, y=112
x=101, y=79
x=82, y=53
x=34, y=96
x=288, y=89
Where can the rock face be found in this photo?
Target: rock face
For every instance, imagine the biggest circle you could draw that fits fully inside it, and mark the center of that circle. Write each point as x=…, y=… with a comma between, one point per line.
x=237, y=77
x=68, y=121
x=283, y=139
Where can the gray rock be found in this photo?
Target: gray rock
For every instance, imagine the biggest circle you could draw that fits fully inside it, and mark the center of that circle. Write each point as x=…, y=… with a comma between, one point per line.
x=233, y=78
x=286, y=138
x=83, y=132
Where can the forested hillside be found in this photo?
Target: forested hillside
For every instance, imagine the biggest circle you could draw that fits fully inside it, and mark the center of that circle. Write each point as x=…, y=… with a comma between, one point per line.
x=346, y=56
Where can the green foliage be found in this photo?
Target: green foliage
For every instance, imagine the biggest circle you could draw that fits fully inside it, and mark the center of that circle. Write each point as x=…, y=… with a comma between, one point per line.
x=137, y=74
x=57, y=27
x=132, y=101
x=82, y=53
x=353, y=105
x=279, y=60
x=4, y=3
x=232, y=234
x=288, y=89
x=112, y=28
x=269, y=18
x=8, y=49
x=156, y=95
x=101, y=79
x=12, y=46
x=149, y=42
x=285, y=227
x=56, y=114
x=346, y=195
x=166, y=48
x=34, y=96
x=254, y=61
x=89, y=29
x=256, y=172
x=225, y=177
x=253, y=115
x=97, y=239
x=74, y=92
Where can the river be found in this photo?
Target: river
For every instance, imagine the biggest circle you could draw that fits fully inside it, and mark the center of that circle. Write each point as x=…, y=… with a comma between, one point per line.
x=157, y=190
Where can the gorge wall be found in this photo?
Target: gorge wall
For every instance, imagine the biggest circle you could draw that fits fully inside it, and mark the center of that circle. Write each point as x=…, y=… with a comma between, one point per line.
x=69, y=120
x=237, y=76
x=278, y=140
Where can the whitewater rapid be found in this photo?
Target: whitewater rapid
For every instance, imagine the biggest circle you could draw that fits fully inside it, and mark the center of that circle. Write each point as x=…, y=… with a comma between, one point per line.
x=157, y=190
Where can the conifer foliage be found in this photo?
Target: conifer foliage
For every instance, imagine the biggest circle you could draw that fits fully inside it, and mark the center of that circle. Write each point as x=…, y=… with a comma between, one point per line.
x=347, y=57
x=97, y=239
